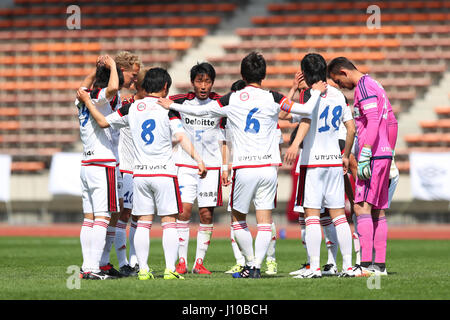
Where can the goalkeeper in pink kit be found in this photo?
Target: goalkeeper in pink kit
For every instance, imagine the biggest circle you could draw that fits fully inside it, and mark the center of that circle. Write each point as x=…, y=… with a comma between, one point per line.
x=377, y=134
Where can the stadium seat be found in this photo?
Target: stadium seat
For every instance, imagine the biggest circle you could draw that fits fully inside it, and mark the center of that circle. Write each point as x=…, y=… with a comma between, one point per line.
x=27, y=166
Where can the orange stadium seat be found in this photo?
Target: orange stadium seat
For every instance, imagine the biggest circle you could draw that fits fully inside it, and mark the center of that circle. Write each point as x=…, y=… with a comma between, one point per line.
x=443, y=112
x=28, y=166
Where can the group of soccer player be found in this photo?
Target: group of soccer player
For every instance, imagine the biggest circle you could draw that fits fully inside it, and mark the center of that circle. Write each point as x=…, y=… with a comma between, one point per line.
x=131, y=169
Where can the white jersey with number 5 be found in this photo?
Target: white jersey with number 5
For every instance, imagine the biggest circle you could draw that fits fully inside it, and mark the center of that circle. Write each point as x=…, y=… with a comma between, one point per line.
x=320, y=145
x=151, y=128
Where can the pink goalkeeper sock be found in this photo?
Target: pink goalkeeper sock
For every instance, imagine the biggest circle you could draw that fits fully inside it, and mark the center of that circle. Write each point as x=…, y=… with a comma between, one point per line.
x=380, y=228
x=365, y=233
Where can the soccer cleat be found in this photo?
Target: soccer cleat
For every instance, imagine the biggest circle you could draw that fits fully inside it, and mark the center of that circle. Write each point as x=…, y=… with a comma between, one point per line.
x=235, y=268
x=309, y=274
x=255, y=273
x=244, y=273
x=169, y=275
x=360, y=271
x=376, y=270
x=181, y=267
x=271, y=267
x=127, y=271
x=110, y=271
x=145, y=275
x=199, y=268
x=329, y=270
x=347, y=273
x=98, y=276
x=302, y=270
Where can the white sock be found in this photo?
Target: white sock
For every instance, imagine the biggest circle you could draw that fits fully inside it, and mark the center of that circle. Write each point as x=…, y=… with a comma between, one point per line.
x=356, y=241
x=301, y=220
x=120, y=243
x=331, y=240
x=86, y=241
x=98, y=242
x=133, y=259
x=203, y=240
x=313, y=239
x=109, y=240
x=262, y=242
x=170, y=244
x=183, y=237
x=272, y=244
x=344, y=235
x=244, y=240
x=142, y=243
x=240, y=259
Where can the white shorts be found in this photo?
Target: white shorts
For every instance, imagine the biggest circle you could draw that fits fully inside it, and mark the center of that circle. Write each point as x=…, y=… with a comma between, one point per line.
x=156, y=193
x=321, y=187
x=127, y=190
x=392, y=186
x=257, y=184
x=207, y=191
x=99, y=189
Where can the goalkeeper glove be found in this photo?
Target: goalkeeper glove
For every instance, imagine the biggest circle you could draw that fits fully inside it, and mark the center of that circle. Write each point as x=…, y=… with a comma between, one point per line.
x=364, y=171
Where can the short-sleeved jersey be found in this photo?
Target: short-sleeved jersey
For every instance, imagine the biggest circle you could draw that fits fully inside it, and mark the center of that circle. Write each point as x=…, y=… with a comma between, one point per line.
x=98, y=144
x=126, y=143
x=320, y=145
x=252, y=118
x=152, y=128
x=370, y=97
x=205, y=133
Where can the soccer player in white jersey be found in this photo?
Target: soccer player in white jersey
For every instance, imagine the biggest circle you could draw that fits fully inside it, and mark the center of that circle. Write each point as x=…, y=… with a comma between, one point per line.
x=154, y=172
x=321, y=183
x=206, y=135
x=252, y=114
x=129, y=65
x=98, y=178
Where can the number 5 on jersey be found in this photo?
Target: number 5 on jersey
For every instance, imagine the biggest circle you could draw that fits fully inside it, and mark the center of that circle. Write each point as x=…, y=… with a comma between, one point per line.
x=147, y=127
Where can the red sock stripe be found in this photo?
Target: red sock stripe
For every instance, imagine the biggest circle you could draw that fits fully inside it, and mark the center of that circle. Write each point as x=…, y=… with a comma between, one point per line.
x=144, y=225
x=111, y=233
x=239, y=226
x=301, y=221
x=121, y=225
x=340, y=221
x=326, y=222
x=88, y=224
x=170, y=225
x=312, y=221
x=205, y=229
x=133, y=225
x=269, y=229
x=101, y=224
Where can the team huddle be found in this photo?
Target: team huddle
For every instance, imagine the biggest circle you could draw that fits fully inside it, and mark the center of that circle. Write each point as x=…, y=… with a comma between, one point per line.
x=152, y=153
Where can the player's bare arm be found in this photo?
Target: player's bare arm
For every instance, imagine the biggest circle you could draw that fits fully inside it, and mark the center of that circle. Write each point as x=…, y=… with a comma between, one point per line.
x=90, y=78
x=187, y=146
x=113, y=84
x=349, y=139
x=306, y=109
x=225, y=167
x=84, y=96
x=292, y=151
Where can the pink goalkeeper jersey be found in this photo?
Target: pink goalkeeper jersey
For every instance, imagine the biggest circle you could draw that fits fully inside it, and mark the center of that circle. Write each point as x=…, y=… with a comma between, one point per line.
x=372, y=116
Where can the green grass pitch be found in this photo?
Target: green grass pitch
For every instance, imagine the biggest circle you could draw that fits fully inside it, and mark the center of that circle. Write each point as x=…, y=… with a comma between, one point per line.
x=36, y=269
